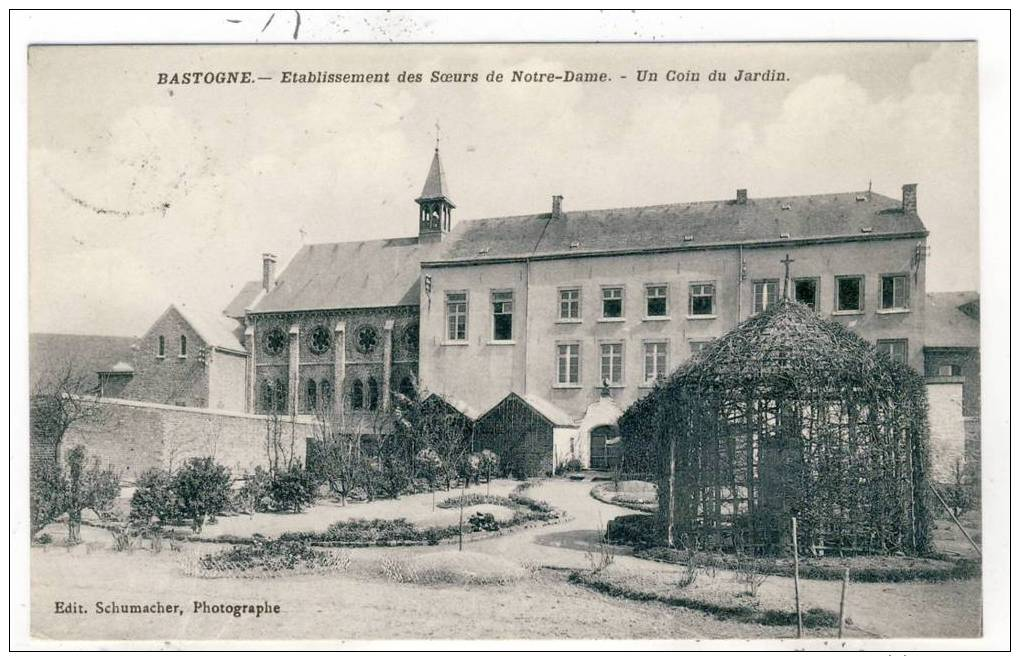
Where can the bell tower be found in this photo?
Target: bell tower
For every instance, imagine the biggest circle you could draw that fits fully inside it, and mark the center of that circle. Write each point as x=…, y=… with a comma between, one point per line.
x=435, y=209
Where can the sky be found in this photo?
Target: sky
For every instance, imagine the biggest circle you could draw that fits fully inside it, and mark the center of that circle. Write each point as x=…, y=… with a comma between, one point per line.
x=143, y=194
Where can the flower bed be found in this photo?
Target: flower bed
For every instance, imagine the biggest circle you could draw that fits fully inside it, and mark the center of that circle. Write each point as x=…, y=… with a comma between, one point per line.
x=882, y=569
x=265, y=559
x=633, y=495
x=721, y=598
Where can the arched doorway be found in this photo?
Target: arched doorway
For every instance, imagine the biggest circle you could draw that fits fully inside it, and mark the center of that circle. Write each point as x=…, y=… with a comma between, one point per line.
x=605, y=447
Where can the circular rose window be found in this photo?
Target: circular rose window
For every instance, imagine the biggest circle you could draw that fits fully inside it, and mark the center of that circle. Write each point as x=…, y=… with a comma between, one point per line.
x=367, y=339
x=319, y=341
x=274, y=341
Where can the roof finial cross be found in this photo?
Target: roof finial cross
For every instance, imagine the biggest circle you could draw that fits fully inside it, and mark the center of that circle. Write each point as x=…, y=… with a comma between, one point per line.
x=437, y=135
x=786, y=261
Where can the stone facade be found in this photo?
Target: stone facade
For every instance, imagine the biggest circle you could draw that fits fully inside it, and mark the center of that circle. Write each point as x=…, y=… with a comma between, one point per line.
x=371, y=349
x=947, y=428
x=527, y=364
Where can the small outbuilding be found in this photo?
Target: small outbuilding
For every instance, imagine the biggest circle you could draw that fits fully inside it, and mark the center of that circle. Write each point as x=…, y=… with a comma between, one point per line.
x=530, y=435
x=789, y=416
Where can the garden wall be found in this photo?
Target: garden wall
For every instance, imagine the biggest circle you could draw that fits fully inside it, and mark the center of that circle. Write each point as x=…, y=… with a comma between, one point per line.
x=133, y=436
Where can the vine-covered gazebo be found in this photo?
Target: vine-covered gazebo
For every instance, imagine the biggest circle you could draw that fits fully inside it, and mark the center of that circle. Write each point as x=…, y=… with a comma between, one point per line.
x=789, y=415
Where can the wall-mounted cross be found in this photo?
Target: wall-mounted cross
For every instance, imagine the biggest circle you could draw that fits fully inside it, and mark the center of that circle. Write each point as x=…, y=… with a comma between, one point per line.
x=786, y=262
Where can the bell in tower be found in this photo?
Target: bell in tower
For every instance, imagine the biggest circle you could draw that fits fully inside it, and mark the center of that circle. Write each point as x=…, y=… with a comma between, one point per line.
x=435, y=209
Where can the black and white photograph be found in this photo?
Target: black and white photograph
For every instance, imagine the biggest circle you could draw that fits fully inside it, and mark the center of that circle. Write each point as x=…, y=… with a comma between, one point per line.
x=341, y=329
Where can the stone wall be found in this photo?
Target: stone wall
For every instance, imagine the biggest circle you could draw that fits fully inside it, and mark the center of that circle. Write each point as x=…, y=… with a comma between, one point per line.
x=946, y=424
x=134, y=436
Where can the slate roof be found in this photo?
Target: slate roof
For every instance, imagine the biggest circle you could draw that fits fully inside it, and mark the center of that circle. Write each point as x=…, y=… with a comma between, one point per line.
x=357, y=274
x=245, y=297
x=666, y=227
x=946, y=325
x=217, y=331
x=435, y=181
x=50, y=353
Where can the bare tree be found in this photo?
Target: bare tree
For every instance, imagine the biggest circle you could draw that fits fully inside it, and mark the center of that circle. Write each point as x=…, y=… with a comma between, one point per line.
x=338, y=432
x=62, y=400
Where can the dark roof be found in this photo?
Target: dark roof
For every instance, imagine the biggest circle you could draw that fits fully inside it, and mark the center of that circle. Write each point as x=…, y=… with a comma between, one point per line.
x=248, y=293
x=950, y=320
x=50, y=354
x=543, y=408
x=357, y=274
x=681, y=225
x=435, y=182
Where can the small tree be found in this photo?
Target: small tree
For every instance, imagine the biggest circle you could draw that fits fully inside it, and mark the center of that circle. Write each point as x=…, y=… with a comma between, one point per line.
x=64, y=399
x=431, y=465
x=202, y=489
x=71, y=490
x=292, y=489
x=154, y=498
x=489, y=465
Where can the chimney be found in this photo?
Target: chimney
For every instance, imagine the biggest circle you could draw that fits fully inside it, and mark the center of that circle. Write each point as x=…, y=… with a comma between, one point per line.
x=741, y=196
x=557, y=207
x=268, y=271
x=910, y=199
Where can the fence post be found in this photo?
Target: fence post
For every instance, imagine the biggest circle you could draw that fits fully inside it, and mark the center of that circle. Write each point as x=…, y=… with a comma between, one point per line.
x=796, y=580
x=842, y=601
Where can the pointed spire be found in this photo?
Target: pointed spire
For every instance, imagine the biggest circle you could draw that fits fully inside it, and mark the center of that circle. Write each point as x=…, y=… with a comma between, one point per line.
x=435, y=182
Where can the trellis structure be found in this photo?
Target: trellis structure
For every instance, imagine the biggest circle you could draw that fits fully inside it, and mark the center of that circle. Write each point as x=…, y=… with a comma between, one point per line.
x=790, y=416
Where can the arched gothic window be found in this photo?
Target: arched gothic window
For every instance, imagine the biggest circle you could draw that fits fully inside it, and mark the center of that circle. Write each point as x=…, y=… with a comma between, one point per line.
x=326, y=393
x=373, y=394
x=311, y=396
x=407, y=387
x=267, y=396
x=280, y=389
x=357, y=395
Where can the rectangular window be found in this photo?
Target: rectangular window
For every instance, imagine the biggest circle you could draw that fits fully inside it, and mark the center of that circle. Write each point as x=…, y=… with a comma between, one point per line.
x=949, y=370
x=570, y=304
x=568, y=364
x=612, y=302
x=696, y=347
x=612, y=364
x=655, y=361
x=894, y=348
x=456, y=316
x=766, y=294
x=656, y=301
x=702, y=299
x=805, y=290
x=502, y=316
x=184, y=346
x=161, y=347
x=895, y=292
x=849, y=293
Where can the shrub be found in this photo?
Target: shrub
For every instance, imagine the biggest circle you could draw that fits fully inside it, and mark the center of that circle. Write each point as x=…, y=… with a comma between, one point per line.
x=483, y=522
x=292, y=489
x=45, y=538
x=202, y=489
x=572, y=465
x=271, y=557
x=633, y=530
x=72, y=489
x=599, y=557
x=154, y=498
x=45, y=496
x=253, y=495
x=750, y=573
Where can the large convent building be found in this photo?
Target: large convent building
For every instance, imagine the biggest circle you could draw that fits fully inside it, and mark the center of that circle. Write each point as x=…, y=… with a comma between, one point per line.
x=540, y=328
